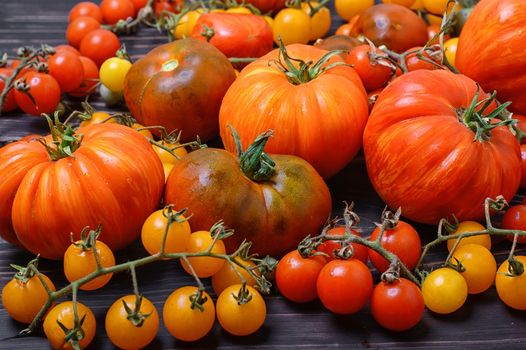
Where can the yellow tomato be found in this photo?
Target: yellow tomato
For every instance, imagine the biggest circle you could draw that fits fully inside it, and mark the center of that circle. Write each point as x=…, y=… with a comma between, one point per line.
x=438, y=7
x=97, y=118
x=269, y=20
x=320, y=22
x=444, y=290
x=145, y=132
x=406, y=3
x=239, y=10
x=470, y=226
x=293, y=26
x=450, y=50
x=511, y=289
x=347, y=9
x=479, y=267
x=434, y=19
x=186, y=24
x=417, y=5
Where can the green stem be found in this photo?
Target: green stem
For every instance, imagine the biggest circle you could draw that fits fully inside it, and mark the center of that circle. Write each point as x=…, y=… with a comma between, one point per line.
x=9, y=83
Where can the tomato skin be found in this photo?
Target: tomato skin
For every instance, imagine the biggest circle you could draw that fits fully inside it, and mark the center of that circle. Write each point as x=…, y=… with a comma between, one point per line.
x=345, y=286
x=90, y=78
x=403, y=241
x=63, y=312
x=444, y=290
x=195, y=113
x=153, y=229
x=183, y=322
x=240, y=319
x=227, y=276
x=434, y=29
x=405, y=3
x=67, y=69
x=78, y=28
x=338, y=42
x=320, y=22
x=9, y=102
x=186, y=24
x=200, y=241
x=165, y=156
x=511, y=290
x=397, y=306
x=329, y=247
x=296, y=276
x=268, y=5
x=414, y=62
x=115, y=10
x=470, y=226
x=122, y=332
x=44, y=89
x=450, y=50
x=293, y=26
x=278, y=102
x=113, y=72
x=347, y=9
x=85, y=8
x=515, y=219
x=479, y=264
x=434, y=161
x=373, y=76
x=523, y=166
x=99, y=45
x=139, y=4
x=236, y=35
x=23, y=301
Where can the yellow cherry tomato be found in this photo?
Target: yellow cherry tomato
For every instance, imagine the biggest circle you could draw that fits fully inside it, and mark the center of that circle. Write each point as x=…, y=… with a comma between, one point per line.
x=434, y=19
x=438, y=7
x=186, y=24
x=145, y=132
x=479, y=266
x=511, y=289
x=450, y=50
x=228, y=276
x=418, y=5
x=320, y=22
x=239, y=9
x=470, y=226
x=165, y=156
x=204, y=266
x=406, y=3
x=97, y=118
x=293, y=26
x=112, y=73
x=153, y=229
x=347, y=9
x=269, y=20
x=444, y=290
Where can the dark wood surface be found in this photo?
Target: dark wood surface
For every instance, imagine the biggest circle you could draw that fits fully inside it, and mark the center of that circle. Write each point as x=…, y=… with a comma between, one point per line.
x=482, y=323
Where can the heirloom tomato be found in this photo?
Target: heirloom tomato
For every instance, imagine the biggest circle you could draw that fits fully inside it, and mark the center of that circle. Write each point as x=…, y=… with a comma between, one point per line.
x=180, y=85
x=491, y=49
x=305, y=106
x=274, y=207
x=419, y=148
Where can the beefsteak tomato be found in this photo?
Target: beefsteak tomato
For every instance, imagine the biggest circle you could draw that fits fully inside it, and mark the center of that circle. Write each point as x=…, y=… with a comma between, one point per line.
x=179, y=85
x=428, y=152
x=274, y=203
x=491, y=49
x=319, y=111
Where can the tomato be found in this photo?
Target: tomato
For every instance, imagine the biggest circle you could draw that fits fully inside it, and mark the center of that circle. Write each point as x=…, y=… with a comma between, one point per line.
x=511, y=289
x=78, y=29
x=240, y=318
x=109, y=97
x=406, y=3
x=296, y=276
x=418, y=5
x=434, y=29
x=338, y=42
x=515, y=219
x=450, y=50
x=344, y=29
x=438, y=7
x=64, y=314
x=45, y=91
x=142, y=130
x=479, y=264
x=397, y=306
x=279, y=102
x=153, y=230
x=347, y=9
x=99, y=45
x=228, y=276
x=491, y=50
x=403, y=241
x=123, y=332
x=320, y=22
x=213, y=185
x=98, y=118
x=292, y=26
x=414, y=62
x=185, y=322
x=67, y=69
x=345, y=286
x=523, y=166
x=139, y=4
x=116, y=10
x=113, y=71
x=165, y=156
x=444, y=290
x=85, y=8
x=331, y=247
x=200, y=241
x=393, y=25
x=415, y=145
x=23, y=299
x=268, y=5
x=186, y=24
x=113, y=178
x=68, y=48
x=470, y=226
x=373, y=74
x=9, y=102
x=239, y=10
x=90, y=78
x=80, y=261
x=236, y=35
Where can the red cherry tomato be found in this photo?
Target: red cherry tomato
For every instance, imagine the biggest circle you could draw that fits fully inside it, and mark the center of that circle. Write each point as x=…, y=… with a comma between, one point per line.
x=432, y=30
x=115, y=10
x=99, y=45
x=68, y=48
x=91, y=77
x=414, y=62
x=403, y=241
x=397, y=306
x=344, y=286
x=79, y=28
x=515, y=219
x=85, y=8
x=45, y=91
x=9, y=102
x=67, y=69
x=330, y=247
x=296, y=276
x=374, y=76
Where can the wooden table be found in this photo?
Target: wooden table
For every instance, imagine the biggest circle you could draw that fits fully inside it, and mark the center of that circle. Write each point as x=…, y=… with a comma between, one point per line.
x=482, y=323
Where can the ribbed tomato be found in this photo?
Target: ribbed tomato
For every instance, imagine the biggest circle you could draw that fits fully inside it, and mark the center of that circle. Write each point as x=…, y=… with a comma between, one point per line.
x=423, y=156
x=491, y=49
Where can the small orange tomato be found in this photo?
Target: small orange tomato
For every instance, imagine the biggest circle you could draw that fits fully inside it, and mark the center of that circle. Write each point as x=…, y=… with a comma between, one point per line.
x=228, y=276
x=470, y=226
x=200, y=241
x=98, y=118
x=153, y=230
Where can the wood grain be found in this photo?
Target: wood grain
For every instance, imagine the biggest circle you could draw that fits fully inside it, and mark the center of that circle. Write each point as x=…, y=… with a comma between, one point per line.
x=483, y=323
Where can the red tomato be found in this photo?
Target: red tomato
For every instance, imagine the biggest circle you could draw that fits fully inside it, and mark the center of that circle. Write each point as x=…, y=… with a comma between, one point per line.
x=79, y=28
x=330, y=247
x=45, y=91
x=115, y=10
x=9, y=102
x=515, y=219
x=434, y=29
x=68, y=48
x=413, y=62
x=296, y=276
x=344, y=286
x=374, y=76
x=85, y=8
x=403, y=241
x=138, y=4
x=167, y=6
x=397, y=306
x=90, y=79
x=67, y=69
x=99, y=45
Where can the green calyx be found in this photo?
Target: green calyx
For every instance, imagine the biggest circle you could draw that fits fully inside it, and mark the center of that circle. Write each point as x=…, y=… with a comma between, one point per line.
x=134, y=315
x=64, y=139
